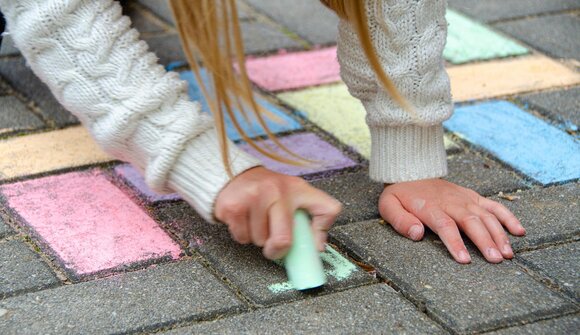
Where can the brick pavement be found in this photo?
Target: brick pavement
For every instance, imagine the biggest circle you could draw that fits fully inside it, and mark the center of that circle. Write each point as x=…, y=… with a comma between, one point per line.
x=72, y=261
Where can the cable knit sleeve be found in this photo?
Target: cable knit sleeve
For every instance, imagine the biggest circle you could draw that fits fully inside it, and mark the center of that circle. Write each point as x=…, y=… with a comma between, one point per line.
x=409, y=37
x=96, y=66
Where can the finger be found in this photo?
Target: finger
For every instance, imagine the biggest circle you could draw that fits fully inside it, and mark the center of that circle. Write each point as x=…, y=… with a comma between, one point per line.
x=504, y=215
x=477, y=232
x=495, y=229
x=238, y=227
x=323, y=209
x=280, y=221
x=446, y=228
x=259, y=223
x=402, y=221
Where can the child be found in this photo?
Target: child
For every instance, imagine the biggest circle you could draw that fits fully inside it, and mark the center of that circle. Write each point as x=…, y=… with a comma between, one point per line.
x=95, y=65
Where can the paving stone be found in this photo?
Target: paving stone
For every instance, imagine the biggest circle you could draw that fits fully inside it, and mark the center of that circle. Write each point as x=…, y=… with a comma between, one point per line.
x=260, y=37
x=322, y=30
x=49, y=151
x=167, y=47
x=294, y=70
x=548, y=214
x=21, y=78
x=528, y=144
x=504, y=77
x=21, y=270
x=494, y=10
x=564, y=325
x=253, y=129
x=14, y=116
x=368, y=309
x=306, y=145
x=482, y=175
x=559, y=263
x=7, y=47
x=160, y=8
x=358, y=194
x=262, y=281
x=89, y=225
x=561, y=106
x=133, y=302
x=466, y=298
x=163, y=10
x=468, y=41
x=5, y=230
x=135, y=180
x=552, y=34
x=142, y=20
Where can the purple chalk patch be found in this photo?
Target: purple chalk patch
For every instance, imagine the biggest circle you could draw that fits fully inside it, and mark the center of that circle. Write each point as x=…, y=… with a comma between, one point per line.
x=308, y=146
x=136, y=180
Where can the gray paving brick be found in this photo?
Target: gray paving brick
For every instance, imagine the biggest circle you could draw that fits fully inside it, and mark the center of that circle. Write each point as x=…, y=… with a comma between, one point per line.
x=309, y=19
x=560, y=264
x=14, y=116
x=556, y=35
x=561, y=106
x=482, y=175
x=358, y=194
x=21, y=78
x=467, y=298
x=564, y=325
x=493, y=10
x=132, y=302
x=549, y=215
x=21, y=270
x=365, y=310
x=161, y=8
x=4, y=229
x=262, y=281
x=141, y=20
x=258, y=38
x=261, y=37
x=8, y=48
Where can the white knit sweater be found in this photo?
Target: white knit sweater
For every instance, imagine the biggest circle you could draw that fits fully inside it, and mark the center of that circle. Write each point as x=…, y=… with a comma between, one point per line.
x=96, y=66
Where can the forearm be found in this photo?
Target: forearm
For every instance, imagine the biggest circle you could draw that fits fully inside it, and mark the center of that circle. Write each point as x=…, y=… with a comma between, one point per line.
x=409, y=37
x=97, y=68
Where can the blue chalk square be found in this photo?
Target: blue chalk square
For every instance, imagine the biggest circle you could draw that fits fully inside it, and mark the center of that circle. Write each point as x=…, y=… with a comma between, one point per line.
x=253, y=129
x=528, y=144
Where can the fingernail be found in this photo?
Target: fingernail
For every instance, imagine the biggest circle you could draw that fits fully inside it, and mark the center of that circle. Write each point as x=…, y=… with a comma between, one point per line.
x=507, y=249
x=494, y=253
x=463, y=256
x=415, y=232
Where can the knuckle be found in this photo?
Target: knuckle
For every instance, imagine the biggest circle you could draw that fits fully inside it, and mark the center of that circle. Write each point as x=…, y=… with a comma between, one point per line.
x=444, y=223
x=470, y=219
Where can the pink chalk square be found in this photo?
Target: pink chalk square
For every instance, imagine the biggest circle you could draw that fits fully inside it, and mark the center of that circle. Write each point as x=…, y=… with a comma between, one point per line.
x=89, y=224
x=135, y=179
x=294, y=70
x=306, y=145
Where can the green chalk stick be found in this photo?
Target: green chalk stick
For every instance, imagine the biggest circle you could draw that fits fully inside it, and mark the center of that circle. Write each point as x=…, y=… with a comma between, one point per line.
x=303, y=263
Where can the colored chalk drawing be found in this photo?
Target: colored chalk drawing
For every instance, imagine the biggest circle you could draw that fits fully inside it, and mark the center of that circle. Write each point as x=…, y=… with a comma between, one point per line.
x=335, y=266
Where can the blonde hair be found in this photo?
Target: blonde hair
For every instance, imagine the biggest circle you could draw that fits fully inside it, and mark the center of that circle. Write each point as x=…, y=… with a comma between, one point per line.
x=210, y=34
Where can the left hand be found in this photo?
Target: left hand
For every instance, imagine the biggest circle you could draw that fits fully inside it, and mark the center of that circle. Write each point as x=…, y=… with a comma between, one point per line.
x=446, y=209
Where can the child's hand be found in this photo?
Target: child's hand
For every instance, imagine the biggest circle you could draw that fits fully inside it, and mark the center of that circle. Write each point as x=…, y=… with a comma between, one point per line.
x=258, y=206
x=447, y=208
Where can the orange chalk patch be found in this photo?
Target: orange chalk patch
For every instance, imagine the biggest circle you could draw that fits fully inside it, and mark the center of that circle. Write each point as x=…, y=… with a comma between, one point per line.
x=49, y=151
x=506, y=77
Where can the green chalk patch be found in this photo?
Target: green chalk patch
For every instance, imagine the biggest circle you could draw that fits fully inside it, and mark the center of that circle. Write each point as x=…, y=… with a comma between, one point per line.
x=468, y=41
x=335, y=266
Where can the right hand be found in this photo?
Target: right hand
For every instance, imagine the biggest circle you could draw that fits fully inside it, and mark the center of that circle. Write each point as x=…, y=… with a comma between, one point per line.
x=258, y=207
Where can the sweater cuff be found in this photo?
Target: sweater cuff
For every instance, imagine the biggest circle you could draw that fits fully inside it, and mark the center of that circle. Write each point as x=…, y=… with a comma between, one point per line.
x=407, y=153
x=199, y=173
